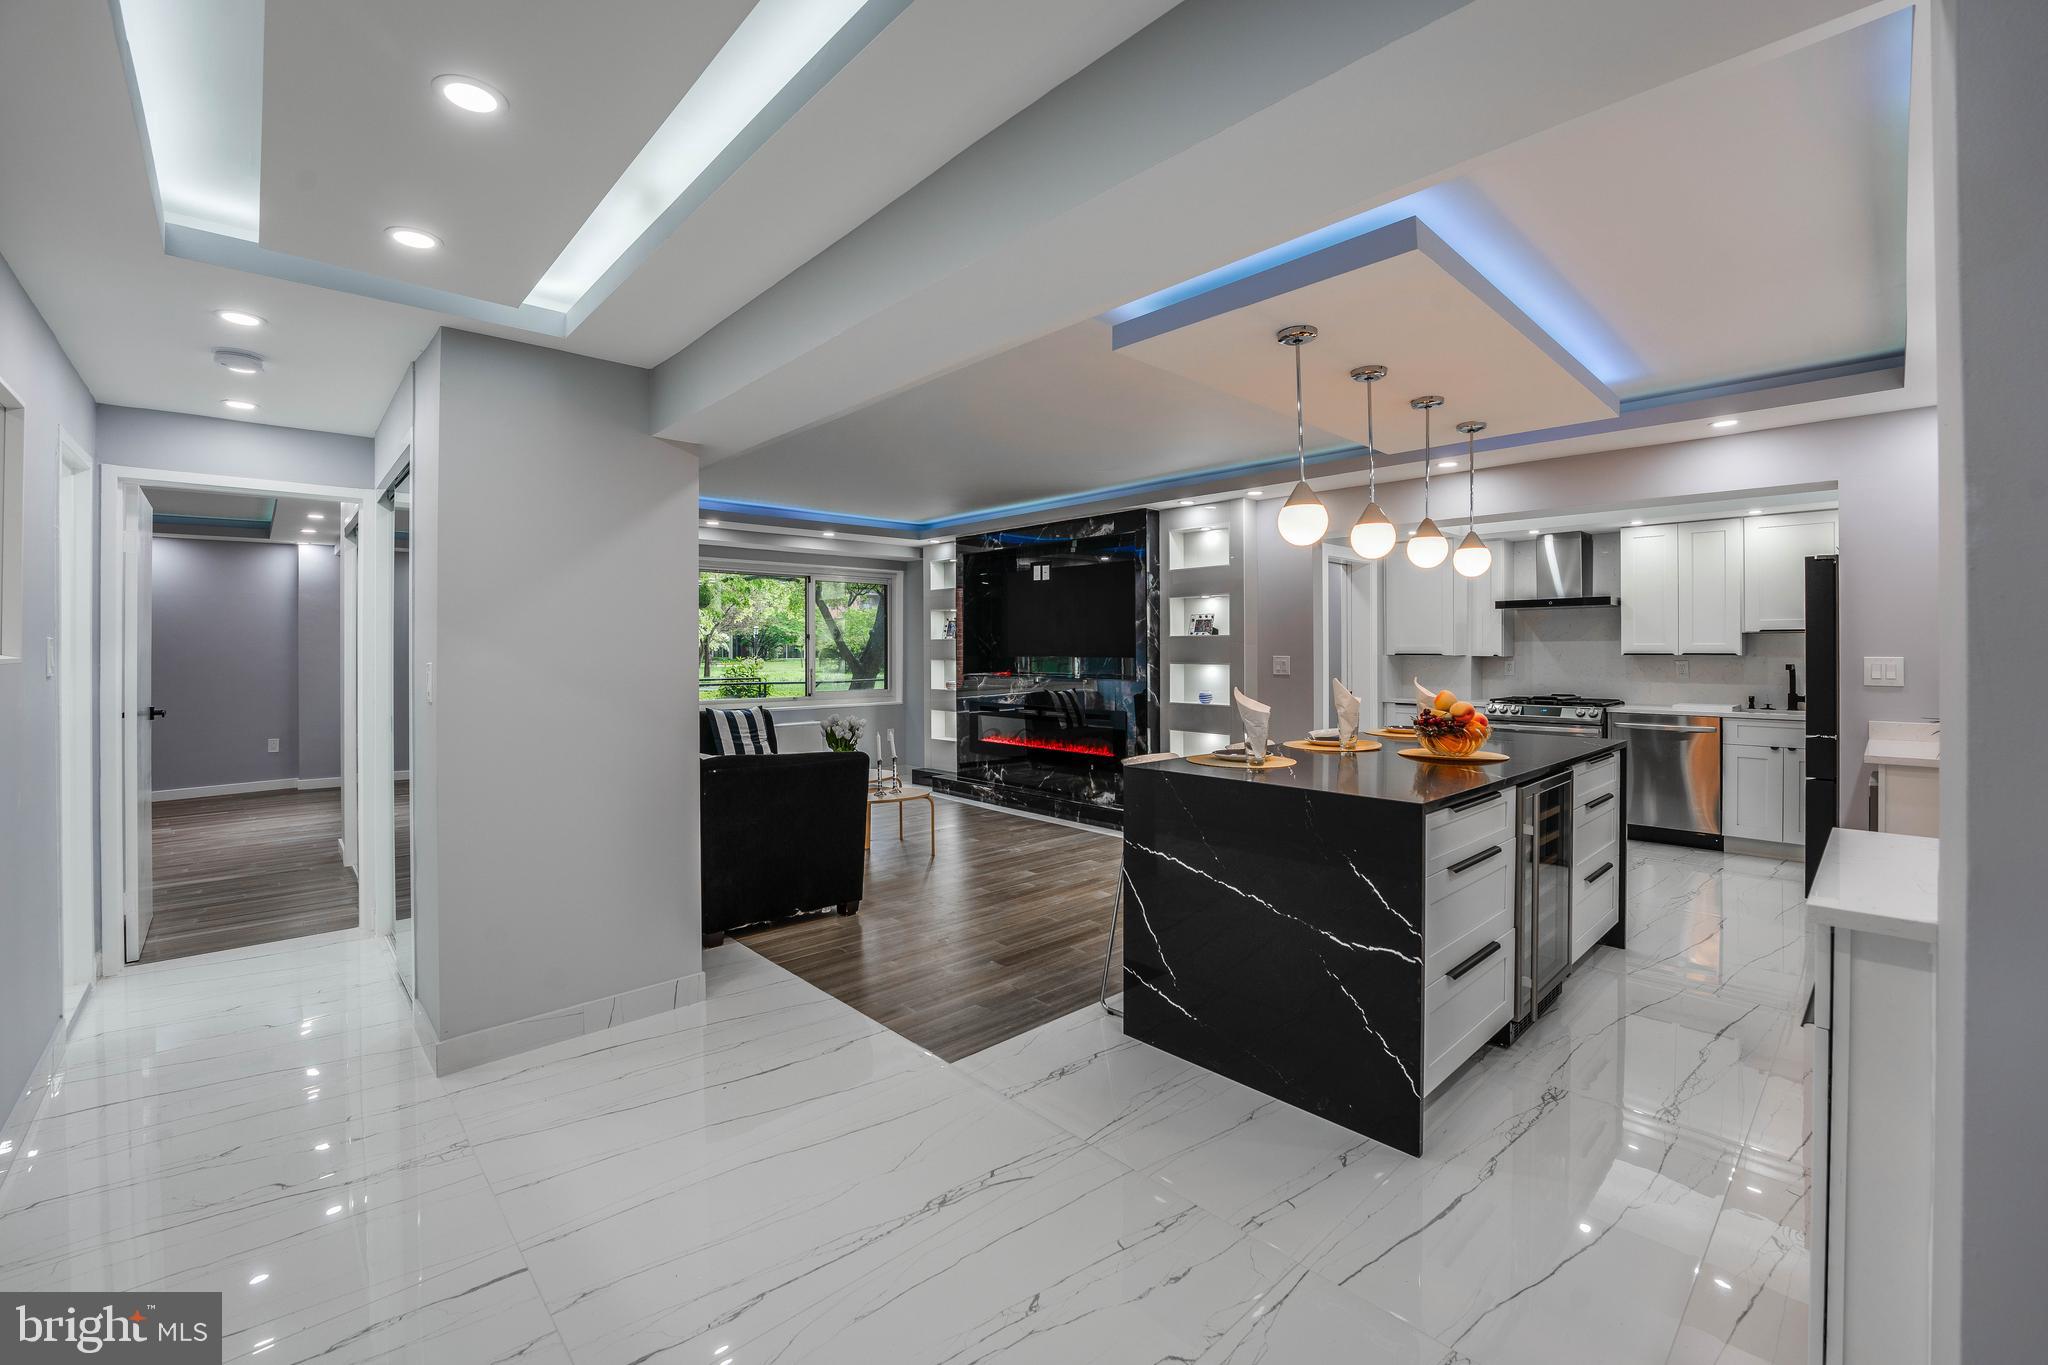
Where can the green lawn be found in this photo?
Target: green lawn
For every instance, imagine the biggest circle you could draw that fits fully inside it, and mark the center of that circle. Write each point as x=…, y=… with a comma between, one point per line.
x=774, y=670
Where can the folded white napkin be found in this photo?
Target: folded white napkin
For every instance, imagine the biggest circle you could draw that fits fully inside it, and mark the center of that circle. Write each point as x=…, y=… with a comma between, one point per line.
x=1347, y=711
x=1258, y=722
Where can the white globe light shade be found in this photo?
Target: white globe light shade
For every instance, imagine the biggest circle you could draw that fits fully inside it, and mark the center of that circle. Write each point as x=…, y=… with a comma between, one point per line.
x=1303, y=519
x=1472, y=558
x=1372, y=535
x=1427, y=548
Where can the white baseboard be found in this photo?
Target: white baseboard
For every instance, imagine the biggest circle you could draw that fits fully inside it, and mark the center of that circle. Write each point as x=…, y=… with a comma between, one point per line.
x=22, y=1115
x=523, y=1035
x=276, y=784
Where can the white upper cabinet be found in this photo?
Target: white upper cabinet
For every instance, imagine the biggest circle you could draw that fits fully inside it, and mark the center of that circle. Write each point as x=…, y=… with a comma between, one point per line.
x=1424, y=608
x=1775, y=552
x=1487, y=633
x=1710, y=587
x=1649, y=590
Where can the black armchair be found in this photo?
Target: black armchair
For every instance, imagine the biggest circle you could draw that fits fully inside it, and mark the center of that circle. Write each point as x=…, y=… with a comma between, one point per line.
x=783, y=834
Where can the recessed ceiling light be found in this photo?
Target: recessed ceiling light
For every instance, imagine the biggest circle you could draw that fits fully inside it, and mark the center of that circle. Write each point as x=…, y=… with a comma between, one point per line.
x=316, y=516
x=469, y=95
x=238, y=317
x=1756, y=511
x=1187, y=502
x=307, y=531
x=828, y=534
x=238, y=404
x=241, y=362
x=412, y=238
x=1534, y=532
x=1727, y=422
x=259, y=1279
x=711, y=523
x=1255, y=493
x=1446, y=464
x=1637, y=522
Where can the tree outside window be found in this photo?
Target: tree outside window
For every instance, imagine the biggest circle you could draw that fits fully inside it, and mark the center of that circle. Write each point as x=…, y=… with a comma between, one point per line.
x=782, y=635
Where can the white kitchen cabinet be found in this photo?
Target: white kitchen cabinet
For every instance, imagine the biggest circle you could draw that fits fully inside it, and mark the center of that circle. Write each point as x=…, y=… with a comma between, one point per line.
x=1422, y=607
x=1753, y=792
x=1487, y=633
x=1710, y=572
x=1649, y=590
x=1775, y=551
x=1763, y=782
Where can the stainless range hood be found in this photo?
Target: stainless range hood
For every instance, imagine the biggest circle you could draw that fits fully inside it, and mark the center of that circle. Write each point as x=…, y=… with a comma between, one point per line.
x=1553, y=571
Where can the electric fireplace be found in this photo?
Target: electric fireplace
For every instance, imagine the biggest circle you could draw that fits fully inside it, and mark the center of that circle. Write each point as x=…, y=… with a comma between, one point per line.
x=1057, y=664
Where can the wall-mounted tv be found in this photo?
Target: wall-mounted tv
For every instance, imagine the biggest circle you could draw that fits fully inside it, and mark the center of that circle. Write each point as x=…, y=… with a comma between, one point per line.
x=1025, y=604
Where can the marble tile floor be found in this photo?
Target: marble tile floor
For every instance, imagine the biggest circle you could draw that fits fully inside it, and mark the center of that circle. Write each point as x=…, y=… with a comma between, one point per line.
x=771, y=1176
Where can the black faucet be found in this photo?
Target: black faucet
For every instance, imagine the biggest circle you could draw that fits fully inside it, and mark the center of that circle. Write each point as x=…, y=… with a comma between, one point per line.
x=1794, y=698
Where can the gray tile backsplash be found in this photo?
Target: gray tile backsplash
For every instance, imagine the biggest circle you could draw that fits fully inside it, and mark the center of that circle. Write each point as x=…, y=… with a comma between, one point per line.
x=1578, y=649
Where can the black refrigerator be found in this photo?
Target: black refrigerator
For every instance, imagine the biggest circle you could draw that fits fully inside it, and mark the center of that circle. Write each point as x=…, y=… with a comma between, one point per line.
x=1823, y=705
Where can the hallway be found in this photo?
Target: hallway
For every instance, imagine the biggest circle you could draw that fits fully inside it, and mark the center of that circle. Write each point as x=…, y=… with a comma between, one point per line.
x=236, y=871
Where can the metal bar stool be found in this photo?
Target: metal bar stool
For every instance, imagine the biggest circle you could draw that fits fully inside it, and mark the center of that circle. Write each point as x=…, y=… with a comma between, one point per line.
x=1116, y=904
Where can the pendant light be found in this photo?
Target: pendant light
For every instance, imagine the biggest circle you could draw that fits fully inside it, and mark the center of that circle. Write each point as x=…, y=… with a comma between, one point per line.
x=1304, y=518
x=1427, y=547
x=1471, y=558
x=1372, y=535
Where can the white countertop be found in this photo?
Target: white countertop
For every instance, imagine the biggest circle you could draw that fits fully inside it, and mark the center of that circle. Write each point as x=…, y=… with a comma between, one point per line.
x=1903, y=744
x=1881, y=883
x=1714, y=709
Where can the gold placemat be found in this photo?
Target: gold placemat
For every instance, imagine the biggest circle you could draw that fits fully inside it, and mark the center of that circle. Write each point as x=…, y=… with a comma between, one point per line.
x=1481, y=756
x=1331, y=746
x=1394, y=732
x=1272, y=761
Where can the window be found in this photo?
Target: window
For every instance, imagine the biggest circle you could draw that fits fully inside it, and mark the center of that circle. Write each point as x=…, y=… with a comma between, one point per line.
x=792, y=635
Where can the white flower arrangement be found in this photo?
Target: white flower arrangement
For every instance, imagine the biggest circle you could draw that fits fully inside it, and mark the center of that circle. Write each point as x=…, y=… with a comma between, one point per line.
x=843, y=734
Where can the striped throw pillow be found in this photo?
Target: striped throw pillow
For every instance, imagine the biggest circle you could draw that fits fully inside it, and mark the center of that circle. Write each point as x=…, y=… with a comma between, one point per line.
x=741, y=730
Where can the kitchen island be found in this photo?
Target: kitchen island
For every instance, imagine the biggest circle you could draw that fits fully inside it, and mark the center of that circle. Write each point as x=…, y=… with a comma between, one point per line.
x=1344, y=934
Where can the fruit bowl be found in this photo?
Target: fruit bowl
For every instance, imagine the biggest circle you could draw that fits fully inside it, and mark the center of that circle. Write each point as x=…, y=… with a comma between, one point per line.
x=1447, y=727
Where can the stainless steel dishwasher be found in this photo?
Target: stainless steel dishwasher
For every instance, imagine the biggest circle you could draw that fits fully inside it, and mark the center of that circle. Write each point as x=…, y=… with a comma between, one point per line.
x=1674, y=775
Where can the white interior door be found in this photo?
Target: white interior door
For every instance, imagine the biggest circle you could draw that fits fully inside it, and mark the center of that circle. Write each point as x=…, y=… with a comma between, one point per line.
x=137, y=715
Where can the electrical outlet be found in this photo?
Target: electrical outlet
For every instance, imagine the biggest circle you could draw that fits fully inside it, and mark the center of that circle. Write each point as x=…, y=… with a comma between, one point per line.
x=1283, y=665
x=1884, y=671
x=1685, y=668
x=273, y=746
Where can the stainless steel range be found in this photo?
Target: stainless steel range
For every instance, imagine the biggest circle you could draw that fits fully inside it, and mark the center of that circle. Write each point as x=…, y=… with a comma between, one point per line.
x=1552, y=713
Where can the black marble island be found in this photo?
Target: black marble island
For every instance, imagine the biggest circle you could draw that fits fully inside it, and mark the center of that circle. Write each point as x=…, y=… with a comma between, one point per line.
x=1343, y=934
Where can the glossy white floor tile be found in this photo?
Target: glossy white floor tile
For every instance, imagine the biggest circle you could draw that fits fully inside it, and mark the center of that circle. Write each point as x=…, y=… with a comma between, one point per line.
x=771, y=1176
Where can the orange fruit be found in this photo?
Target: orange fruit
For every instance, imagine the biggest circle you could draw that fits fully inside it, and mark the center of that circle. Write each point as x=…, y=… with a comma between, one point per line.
x=1446, y=699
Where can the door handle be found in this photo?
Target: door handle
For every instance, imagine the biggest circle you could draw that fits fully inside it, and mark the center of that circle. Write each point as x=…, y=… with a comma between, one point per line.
x=1670, y=729
x=1473, y=961
x=155, y=713
x=1475, y=860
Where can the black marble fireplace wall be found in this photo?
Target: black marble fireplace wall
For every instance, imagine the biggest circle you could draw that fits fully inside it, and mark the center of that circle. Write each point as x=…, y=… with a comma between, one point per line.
x=1058, y=658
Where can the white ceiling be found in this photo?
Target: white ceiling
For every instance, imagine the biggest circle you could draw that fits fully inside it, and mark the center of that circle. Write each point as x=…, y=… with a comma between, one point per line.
x=288, y=518
x=888, y=306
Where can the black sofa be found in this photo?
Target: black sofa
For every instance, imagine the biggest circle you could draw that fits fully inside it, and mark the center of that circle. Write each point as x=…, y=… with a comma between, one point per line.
x=783, y=834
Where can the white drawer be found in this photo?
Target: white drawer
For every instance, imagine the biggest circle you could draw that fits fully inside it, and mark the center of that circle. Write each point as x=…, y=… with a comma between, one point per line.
x=1597, y=778
x=1464, y=828
x=1465, y=909
x=1595, y=832
x=1458, y=1016
x=1769, y=733
x=1596, y=904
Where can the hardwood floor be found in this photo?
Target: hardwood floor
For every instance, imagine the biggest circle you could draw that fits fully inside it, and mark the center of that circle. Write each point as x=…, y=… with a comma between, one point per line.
x=1000, y=932
x=237, y=870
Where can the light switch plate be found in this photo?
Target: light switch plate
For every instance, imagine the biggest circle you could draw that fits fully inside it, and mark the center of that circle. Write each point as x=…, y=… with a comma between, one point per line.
x=1283, y=665
x=1884, y=671
x=273, y=746
x=1685, y=668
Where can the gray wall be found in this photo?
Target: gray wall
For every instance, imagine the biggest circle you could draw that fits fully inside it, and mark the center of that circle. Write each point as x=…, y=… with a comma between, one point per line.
x=1990, y=1202
x=906, y=653
x=217, y=445
x=31, y=907
x=319, y=662
x=245, y=648
x=224, y=662
x=555, y=776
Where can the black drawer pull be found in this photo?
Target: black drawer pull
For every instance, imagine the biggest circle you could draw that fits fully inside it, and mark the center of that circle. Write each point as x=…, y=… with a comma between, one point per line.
x=1597, y=873
x=1474, y=801
x=1599, y=800
x=1475, y=860
x=1473, y=961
